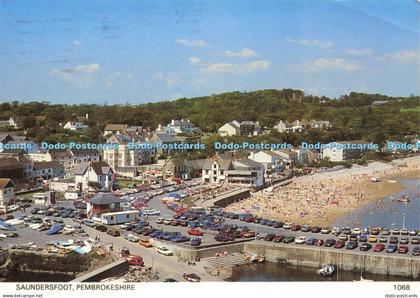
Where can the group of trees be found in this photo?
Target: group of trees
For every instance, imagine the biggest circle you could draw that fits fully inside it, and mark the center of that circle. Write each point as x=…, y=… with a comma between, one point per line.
x=353, y=116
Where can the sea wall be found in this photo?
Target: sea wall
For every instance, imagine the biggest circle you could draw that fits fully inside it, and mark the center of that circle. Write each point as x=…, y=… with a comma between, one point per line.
x=344, y=259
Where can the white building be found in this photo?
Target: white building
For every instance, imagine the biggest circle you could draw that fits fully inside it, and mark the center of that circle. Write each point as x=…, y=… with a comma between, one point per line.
x=272, y=162
x=245, y=172
x=230, y=129
x=75, y=125
x=342, y=153
x=7, y=192
x=93, y=172
x=181, y=126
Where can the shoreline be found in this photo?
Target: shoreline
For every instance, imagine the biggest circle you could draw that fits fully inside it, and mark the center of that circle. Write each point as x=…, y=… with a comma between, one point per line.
x=322, y=198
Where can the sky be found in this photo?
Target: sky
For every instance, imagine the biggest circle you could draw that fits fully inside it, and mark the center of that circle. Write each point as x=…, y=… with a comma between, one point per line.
x=137, y=51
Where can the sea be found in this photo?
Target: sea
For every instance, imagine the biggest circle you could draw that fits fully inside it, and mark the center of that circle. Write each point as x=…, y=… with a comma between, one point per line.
x=388, y=212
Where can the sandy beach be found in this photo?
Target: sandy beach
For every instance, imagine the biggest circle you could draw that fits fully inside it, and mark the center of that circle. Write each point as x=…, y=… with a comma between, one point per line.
x=321, y=198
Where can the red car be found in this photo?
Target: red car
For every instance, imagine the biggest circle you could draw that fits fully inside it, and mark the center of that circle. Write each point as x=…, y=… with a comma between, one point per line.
x=195, y=232
x=296, y=227
x=278, y=238
x=340, y=244
x=249, y=219
x=133, y=260
x=379, y=247
x=402, y=249
x=319, y=242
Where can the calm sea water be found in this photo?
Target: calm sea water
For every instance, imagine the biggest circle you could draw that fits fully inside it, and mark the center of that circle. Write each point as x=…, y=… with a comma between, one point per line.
x=281, y=272
x=388, y=212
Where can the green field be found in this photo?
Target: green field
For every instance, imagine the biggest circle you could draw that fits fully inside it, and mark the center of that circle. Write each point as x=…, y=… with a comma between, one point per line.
x=416, y=109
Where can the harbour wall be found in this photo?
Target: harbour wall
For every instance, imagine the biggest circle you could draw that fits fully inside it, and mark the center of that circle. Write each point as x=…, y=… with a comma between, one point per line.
x=401, y=265
x=114, y=269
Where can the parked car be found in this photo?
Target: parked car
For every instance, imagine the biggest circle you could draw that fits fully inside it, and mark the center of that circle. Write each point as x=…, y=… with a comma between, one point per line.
x=287, y=225
x=340, y=244
x=145, y=243
x=391, y=248
x=415, y=240
x=277, y=224
x=192, y=277
x=365, y=246
x=159, y=220
x=300, y=240
x=393, y=240
x=416, y=251
x=132, y=238
x=404, y=240
x=278, y=238
x=269, y=237
x=195, y=232
x=319, y=242
x=310, y=241
x=196, y=241
x=379, y=247
x=351, y=245
x=164, y=251
x=223, y=238
x=325, y=230
x=305, y=228
x=329, y=242
x=289, y=239
x=315, y=229
x=403, y=249
x=113, y=232
x=372, y=239
x=101, y=228
x=295, y=227
x=363, y=238
x=383, y=239
x=385, y=232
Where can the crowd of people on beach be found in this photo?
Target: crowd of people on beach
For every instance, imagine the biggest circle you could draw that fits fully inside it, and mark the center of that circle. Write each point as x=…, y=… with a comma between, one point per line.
x=319, y=198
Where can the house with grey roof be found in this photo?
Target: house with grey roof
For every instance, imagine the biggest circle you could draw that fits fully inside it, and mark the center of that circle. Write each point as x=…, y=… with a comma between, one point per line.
x=243, y=172
x=94, y=172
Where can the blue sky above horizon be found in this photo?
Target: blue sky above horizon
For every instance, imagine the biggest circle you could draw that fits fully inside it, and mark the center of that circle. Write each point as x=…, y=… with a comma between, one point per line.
x=136, y=51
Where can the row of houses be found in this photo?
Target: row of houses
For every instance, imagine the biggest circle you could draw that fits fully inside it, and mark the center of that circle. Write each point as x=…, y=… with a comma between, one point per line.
x=250, y=128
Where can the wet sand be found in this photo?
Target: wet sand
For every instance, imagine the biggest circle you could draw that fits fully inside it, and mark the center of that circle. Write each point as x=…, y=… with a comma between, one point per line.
x=321, y=199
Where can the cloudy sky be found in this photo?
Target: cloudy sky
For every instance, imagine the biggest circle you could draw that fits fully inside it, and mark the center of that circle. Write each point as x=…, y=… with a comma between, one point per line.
x=132, y=51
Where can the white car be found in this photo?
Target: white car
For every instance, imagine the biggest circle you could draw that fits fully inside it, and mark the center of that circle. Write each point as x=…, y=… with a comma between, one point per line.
x=343, y=237
x=325, y=230
x=287, y=225
x=164, y=251
x=300, y=240
x=132, y=238
x=150, y=212
x=159, y=220
x=356, y=231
